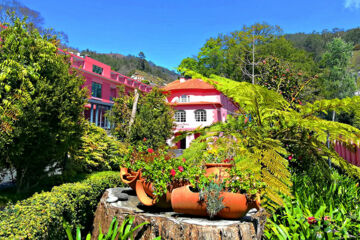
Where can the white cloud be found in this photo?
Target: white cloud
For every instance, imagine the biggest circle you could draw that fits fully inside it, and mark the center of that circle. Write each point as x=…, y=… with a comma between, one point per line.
x=352, y=3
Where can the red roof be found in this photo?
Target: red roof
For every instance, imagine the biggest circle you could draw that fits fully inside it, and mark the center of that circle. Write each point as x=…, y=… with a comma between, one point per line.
x=194, y=103
x=188, y=84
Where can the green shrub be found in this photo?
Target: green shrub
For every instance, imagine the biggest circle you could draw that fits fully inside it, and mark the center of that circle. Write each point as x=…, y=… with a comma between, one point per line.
x=98, y=151
x=41, y=216
x=318, y=211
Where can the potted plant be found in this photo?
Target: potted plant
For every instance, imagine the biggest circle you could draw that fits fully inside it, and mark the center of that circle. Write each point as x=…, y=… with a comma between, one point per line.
x=161, y=176
x=132, y=163
x=219, y=156
x=230, y=199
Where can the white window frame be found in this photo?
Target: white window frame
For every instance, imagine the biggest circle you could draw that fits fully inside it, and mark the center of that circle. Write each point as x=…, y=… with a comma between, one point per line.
x=184, y=98
x=180, y=116
x=200, y=115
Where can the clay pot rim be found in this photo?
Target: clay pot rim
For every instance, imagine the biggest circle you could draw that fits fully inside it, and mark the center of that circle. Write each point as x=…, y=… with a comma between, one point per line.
x=225, y=165
x=126, y=172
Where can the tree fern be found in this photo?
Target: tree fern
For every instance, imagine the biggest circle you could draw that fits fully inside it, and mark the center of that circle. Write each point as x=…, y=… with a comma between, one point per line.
x=281, y=135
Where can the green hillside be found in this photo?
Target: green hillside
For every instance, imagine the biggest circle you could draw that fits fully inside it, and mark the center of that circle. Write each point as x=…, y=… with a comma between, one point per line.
x=130, y=64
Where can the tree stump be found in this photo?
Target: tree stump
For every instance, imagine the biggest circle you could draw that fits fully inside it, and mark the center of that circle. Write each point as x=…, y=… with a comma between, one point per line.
x=121, y=202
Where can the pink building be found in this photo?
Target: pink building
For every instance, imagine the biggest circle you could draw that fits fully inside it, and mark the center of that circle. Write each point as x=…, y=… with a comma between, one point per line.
x=102, y=84
x=196, y=104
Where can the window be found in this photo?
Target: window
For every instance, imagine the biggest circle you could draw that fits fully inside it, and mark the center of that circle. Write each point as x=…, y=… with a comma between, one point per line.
x=180, y=116
x=96, y=90
x=97, y=69
x=112, y=94
x=200, y=115
x=184, y=98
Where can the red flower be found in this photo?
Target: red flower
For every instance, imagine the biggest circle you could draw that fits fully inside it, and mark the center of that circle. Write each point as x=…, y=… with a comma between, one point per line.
x=226, y=160
x=150, y=150
x=311, y=220
x=172, y=172
x=181, y=168
x=144, y=139
x=184, y=160
x=246, y=120
x=290, y=157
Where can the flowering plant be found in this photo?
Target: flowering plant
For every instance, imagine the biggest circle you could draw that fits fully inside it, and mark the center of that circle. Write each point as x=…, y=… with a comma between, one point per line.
x=243, y=181
x=220, y=150
x=166, y=172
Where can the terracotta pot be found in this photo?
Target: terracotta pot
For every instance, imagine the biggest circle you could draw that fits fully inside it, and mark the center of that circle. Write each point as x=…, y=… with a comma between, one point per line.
x=145, y=195
x=218, y=170
x=129, y=177
x=236, y=205
x=185, y=200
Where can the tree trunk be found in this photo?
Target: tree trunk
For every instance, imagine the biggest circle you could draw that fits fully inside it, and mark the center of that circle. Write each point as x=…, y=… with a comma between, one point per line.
x=333, y=116
x=120, y=202
x=133, y=112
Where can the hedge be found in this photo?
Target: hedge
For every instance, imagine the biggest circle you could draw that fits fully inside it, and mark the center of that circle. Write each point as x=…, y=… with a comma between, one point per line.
x=41, y=216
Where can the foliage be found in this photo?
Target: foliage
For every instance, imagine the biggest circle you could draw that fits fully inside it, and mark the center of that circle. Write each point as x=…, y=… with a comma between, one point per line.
x=161, y=168
x=153, y=120
x=243, y=181
x=315, y=42
x=128, y=65
x=279, y=136
x=220, y=150
x=318, y=210
x=41, y=104
x=280, y=76
x=41, y=216
x=336, y=80
x=231, y=55
x=98, y=151
x=31, y=16
x=211, y=195
x=115, y=232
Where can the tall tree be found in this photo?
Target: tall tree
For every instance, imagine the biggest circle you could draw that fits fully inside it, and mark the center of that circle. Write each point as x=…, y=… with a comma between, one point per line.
x=336, y=80
x=45, y=119
x=153, y=119
x=32, y=17
x=237, y=55
x=142, y=61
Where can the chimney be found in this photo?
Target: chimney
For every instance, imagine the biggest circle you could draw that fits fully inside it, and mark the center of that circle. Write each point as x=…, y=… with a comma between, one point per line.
x=182, y=79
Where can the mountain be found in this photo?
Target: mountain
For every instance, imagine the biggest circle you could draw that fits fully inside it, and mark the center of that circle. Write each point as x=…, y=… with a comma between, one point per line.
x=315, y=42
x=129, y=65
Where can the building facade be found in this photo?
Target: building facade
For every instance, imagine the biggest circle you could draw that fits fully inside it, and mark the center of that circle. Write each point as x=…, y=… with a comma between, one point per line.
x=196, y=104
x=102, y=84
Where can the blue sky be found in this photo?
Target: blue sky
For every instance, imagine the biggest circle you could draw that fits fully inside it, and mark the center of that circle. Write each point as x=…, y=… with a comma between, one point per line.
x=168, y=30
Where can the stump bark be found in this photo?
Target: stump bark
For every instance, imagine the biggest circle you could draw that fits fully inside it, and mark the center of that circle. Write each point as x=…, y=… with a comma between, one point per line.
x=171, y=225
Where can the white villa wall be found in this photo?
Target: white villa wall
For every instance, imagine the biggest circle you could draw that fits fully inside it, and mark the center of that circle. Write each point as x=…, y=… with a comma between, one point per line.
x=198, y=98
x=192, y=123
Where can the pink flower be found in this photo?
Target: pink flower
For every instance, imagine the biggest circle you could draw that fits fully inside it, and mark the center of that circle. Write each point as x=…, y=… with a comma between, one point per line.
x=311, y=220
x=326, y=218
x=290, y=157
x=172, y=172
x=150, y=150
x=184, y=160
x=181, y=168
